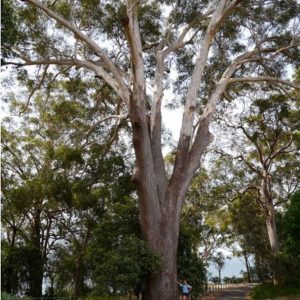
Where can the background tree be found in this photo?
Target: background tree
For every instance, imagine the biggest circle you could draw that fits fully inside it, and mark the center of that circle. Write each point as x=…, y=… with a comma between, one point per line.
x=248, y=226
x=219, y=262
x=272, y=133
x=28, y=213
x=205, y=203
x=142, y=42
x=191, y=264
x=291, y=241
x=50, y=186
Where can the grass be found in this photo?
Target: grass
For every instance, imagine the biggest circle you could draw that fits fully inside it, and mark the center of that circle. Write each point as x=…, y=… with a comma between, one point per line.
x=269, y=291
x=5, y=296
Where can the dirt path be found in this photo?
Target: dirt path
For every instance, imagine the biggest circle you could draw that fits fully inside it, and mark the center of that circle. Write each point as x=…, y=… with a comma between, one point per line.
x=236, y=293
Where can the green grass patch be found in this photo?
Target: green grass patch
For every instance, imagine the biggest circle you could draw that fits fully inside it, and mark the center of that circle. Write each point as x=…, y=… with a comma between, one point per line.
x=5, y=296
x=269, y=291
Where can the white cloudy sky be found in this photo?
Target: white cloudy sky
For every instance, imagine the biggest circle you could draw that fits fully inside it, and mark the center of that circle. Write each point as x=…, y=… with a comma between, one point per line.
x=232, y=267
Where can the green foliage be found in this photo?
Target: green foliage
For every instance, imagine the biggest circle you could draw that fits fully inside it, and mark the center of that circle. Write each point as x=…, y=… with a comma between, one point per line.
x=269, y=291
x=9, y=33
x=19, y=264
x=289, y=236
x=118, y=257
x=186, y=11
x=123, y=267
x=292, y=227
x=290, y=269
x=247, y=221
x=6, y=296
x=189, y=264
x=66, y=156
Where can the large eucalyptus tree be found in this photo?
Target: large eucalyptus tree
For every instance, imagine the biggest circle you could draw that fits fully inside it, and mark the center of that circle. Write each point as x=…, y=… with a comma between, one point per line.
x=272, y=158
x=133, y=45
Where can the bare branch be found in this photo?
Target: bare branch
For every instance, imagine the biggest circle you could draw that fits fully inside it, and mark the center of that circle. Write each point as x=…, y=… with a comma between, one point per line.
x=250, y=165
x=19, y=169
x=134, y=40
x=292, y=45
x=120, y=117
x=114, y=135
x=283, y=149
x=203, y=137
x=179, y=42
x=155, y=119
x=37, y=87
x=261, y=158
x=140, y=122
x=281, y=202
x=226, y=12
x=255, y=55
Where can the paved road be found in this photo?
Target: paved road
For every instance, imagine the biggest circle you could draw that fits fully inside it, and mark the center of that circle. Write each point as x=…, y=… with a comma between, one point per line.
x=237, y=293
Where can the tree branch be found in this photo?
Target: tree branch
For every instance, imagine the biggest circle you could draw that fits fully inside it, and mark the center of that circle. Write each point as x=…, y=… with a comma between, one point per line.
x=250, y=165
x=282, y=149
x=148, y=183
x=178, y=43
x=203, y=136
x=135, y=44
x=155, y=120
x=96, y=68
x=261, y=158
x=120, y=117
x=35, y=89
x=81, y=36
x=264, y=79
x=190, y=105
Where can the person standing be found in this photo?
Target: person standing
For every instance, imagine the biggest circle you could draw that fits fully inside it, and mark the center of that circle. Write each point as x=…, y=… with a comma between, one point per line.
x=185, y=289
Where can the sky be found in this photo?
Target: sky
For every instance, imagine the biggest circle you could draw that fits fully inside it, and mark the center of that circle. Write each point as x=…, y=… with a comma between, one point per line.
x=232, y=267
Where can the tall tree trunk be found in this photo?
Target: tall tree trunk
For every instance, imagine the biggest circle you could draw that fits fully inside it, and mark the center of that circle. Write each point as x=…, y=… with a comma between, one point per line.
x=161, y=285
x=247, y=267
x=10, y=272
x=78, y=278
x=271, y=226
x=261, y=268
x=36, y=276
x=160, y=201
x=273, y=239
